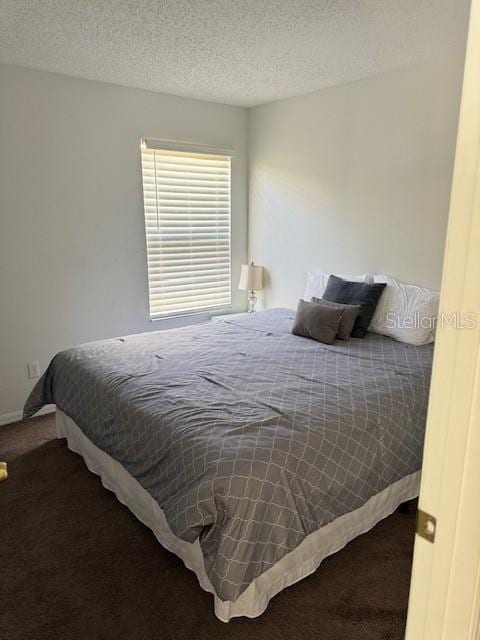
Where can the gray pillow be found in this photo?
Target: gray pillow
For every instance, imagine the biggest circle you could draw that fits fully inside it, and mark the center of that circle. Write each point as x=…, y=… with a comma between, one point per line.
x=350, y=313
x=362, y=293
x=316, y=321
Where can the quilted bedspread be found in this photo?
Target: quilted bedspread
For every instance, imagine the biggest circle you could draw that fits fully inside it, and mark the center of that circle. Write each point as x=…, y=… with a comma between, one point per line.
x=248, y=437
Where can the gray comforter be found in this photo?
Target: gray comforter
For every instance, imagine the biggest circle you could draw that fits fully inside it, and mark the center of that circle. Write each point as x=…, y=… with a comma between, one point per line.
x=249, y=437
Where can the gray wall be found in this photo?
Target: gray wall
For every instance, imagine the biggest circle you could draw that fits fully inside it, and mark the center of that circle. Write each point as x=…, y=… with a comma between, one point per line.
x=72, y=245
x=354, y=179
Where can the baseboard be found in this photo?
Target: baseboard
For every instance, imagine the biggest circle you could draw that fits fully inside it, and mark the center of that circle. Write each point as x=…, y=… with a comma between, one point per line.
x=16, y=416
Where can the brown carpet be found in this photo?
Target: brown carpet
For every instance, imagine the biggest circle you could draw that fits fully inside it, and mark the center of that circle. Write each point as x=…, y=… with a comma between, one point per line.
x=76, y=564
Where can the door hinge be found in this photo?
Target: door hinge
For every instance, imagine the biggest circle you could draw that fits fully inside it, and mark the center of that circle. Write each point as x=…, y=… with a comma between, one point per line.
x=426, y=525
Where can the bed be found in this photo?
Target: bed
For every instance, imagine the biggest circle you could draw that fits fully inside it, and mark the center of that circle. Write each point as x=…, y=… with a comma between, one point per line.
x=251, y=453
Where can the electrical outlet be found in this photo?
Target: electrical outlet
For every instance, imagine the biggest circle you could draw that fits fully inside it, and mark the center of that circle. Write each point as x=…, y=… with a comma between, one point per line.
x=33, y=369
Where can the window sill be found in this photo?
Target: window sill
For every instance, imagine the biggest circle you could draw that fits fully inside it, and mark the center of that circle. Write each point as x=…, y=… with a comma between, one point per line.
x=207, y=313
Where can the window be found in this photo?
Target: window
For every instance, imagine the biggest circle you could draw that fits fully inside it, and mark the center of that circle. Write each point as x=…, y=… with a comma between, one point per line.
x=187, y=222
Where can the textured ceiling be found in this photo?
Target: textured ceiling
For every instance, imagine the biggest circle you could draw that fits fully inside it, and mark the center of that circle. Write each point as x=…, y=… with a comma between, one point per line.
x=243, y=52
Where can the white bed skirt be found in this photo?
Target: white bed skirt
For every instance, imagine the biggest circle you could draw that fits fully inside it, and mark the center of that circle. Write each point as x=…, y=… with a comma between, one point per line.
x=297, y=564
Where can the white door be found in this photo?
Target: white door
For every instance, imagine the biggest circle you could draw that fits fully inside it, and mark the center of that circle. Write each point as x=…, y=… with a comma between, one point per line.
x=445, y=591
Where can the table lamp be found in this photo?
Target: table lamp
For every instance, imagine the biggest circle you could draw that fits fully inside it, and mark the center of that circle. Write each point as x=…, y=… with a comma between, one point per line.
x=251, y=280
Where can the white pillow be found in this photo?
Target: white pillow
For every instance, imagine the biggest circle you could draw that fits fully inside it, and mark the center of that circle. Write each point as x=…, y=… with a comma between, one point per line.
x=317, y=282
x=406, y=312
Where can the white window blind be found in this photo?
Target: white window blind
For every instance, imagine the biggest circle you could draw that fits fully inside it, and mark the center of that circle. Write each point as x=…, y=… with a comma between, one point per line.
x=187, y=222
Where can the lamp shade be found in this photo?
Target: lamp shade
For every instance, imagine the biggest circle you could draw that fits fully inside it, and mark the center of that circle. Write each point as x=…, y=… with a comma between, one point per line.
x=251, y=277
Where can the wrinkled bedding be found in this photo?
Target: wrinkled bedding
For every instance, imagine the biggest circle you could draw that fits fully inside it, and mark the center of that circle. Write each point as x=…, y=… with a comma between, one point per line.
x=248, y=437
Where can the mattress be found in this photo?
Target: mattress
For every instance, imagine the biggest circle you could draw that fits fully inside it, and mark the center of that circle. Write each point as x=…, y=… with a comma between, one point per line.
x=294, y=566
x=248, y=438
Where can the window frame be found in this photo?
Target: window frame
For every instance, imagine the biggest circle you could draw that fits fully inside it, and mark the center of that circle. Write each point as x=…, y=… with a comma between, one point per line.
x=197, y=150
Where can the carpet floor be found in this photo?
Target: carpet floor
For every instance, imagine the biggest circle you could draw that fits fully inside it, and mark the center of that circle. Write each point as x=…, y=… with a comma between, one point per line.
x=76, y=564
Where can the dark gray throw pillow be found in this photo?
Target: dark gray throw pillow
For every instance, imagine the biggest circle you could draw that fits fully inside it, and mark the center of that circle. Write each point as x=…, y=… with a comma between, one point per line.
x=362, y=293
x=316, y=321
x=349, y=315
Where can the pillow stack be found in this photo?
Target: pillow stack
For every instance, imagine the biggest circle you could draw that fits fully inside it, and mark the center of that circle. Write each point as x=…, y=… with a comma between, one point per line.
x=350, y=306
x=346, y=309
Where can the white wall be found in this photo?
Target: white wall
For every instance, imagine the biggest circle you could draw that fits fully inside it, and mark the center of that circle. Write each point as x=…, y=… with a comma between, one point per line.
x=72, y=244
x=355, y=178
